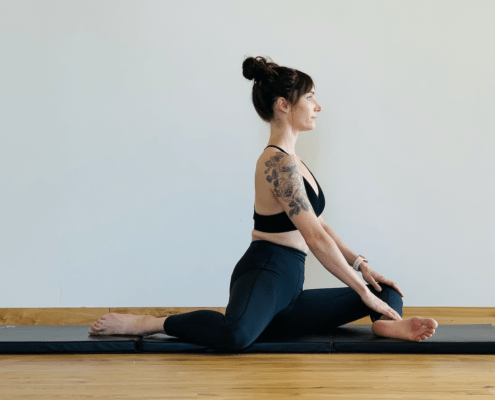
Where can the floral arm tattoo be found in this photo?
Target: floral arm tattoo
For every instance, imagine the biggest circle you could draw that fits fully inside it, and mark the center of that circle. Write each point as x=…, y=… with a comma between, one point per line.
x=287, y=187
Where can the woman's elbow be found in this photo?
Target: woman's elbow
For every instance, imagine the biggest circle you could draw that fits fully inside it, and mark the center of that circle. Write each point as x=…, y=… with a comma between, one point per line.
x=317, y=239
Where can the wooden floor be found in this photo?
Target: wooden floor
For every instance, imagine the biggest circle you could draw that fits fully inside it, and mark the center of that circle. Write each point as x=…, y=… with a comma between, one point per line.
x=253, y=376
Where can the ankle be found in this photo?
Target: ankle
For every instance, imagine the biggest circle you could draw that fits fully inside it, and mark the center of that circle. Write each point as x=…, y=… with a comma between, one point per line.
x=159, y=321
x=153, y=324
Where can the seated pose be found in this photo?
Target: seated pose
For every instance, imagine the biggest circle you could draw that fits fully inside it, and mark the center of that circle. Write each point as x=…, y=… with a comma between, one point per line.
x=266, y=288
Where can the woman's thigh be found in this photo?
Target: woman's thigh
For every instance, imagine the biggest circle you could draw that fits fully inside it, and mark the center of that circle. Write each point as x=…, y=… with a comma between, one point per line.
x=317, y=310
x=265, y=282
x=256, y=297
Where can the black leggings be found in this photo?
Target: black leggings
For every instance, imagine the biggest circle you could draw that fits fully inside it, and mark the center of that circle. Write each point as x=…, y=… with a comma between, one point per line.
x=267, y=296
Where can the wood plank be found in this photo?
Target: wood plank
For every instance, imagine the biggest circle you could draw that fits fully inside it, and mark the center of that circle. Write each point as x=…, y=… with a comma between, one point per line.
x=162, y=311
x=50, y=316
x=247, y=376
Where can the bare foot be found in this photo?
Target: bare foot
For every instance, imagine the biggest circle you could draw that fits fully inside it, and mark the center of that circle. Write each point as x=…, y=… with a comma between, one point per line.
x=415, y=329
x=126, y=324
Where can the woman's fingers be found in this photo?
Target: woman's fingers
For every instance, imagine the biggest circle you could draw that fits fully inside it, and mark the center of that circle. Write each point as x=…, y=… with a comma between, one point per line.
x=395, y=286
x=395, y=315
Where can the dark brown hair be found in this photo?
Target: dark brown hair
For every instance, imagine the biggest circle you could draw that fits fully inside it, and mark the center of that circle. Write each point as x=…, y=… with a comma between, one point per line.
x=272, y=81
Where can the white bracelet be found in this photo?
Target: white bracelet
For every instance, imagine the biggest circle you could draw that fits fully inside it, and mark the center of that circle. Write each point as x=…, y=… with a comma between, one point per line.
x=358, y=261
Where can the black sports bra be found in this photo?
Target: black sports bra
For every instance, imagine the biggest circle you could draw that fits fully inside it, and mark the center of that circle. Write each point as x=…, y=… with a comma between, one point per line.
x=281, y=222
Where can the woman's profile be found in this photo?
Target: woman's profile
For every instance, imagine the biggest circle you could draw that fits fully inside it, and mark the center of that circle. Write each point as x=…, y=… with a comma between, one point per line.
x=266, y=288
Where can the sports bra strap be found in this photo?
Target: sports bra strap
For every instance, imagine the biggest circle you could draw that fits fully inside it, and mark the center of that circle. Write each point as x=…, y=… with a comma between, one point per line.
x=271, y=145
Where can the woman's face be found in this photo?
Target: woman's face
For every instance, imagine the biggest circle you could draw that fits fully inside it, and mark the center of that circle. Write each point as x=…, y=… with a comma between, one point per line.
x=305, y=111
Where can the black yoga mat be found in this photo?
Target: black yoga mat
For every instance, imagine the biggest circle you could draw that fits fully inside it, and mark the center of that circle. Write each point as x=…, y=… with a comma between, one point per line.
x=448, y=339
x=33, y=339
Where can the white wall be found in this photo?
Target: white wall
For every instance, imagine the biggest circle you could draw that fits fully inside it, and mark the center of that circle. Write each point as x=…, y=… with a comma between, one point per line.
x=128, y=144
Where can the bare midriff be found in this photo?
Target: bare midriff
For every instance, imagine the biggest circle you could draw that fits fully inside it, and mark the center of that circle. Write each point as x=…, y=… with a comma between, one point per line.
x=291, y=239
x=266, y=203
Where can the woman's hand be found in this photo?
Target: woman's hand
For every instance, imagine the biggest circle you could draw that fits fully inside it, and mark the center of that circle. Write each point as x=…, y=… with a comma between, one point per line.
x=379, y=306
x=373, y=277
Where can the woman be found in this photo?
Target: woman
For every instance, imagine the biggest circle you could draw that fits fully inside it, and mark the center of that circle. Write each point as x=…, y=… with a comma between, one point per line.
x=266, y=295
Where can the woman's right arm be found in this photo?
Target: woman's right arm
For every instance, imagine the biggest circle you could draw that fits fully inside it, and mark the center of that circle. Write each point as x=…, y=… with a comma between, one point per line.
x=329, y=255
x=288, y=187
x=286, y=182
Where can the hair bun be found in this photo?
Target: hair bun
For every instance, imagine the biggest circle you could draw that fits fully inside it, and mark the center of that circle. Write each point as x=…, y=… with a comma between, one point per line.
x=253, y=68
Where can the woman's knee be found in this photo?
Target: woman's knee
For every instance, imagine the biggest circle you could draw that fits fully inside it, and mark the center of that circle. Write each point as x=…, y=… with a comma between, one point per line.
x=385, y=289
x=240, y=339
x=391, y=295
x=390, y=288
x=382, y=285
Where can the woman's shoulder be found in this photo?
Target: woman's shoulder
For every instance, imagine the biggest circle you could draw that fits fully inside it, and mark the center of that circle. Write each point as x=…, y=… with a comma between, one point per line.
x=272, y=156
x=270, y=152
x=265, y=159
x=273, y=161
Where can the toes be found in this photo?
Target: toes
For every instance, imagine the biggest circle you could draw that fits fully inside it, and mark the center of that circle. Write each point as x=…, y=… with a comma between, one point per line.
x=96, y=331
x=95, y=328
x=91, y=331
x=106, y=316
x=426, y=335
x=431, y=323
